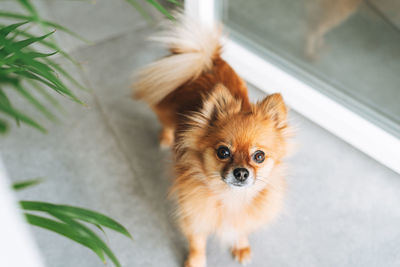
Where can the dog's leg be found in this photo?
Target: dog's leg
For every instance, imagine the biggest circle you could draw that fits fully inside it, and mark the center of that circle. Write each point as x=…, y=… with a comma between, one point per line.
x=166, y=117
x=241, y=250
x=166, y=137
x=197, y=250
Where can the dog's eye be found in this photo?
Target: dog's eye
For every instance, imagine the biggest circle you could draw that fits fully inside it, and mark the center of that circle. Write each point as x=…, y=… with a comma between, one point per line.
x=259, y=156
x=223, y=152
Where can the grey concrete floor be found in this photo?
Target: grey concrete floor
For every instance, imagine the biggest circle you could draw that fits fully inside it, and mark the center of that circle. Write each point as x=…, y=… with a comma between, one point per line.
x=342, y=207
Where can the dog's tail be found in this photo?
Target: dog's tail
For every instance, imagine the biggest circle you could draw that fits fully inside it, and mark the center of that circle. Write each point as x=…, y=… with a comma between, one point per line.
x=193, y=48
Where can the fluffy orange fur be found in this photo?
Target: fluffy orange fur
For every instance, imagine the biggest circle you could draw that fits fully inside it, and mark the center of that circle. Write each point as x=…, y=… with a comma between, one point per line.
x=204, y=113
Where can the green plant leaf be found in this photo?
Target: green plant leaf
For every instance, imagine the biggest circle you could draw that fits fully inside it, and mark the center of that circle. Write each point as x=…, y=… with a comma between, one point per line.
x=6, y=102
x=66, y=74
x=16, y=46
x=27, y=183
x=67, y=231
x=175, y=2
x=11, y=28
x=101, y=229
x=35, y=102
x=77, y=213
x=35, y=66
x=56, y=87
x=4, y=99
x=70, y=221
x=27, y=4
x=160, y=8
x=30, y=8
x=46, y=95
x=33, y=76
x=20, y=62
x=44, y=43
x=44, y=22
x=37, y=54
x=22, y=117
x=69, y=216
x=3, y=127
x=140, y=9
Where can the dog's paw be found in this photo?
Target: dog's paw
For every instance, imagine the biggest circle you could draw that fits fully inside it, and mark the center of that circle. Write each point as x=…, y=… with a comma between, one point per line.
x=242, y=255
x=195, y=261
x=190, y=263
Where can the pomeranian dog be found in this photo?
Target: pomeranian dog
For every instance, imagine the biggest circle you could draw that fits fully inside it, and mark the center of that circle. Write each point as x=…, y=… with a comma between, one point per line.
x=227, y=151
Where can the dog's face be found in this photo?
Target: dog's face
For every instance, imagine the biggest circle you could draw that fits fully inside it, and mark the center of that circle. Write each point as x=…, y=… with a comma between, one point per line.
x=241, y=150
x=238, y=146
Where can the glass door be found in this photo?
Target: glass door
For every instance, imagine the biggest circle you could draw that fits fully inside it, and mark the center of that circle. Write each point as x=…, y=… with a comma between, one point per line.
x=349, y=50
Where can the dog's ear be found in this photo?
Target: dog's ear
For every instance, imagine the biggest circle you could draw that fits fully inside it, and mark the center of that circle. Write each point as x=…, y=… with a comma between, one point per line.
x=273, y=108
x=219, y=103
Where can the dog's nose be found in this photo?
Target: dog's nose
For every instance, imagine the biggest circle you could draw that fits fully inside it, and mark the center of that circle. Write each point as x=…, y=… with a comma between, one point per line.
x=241, y=174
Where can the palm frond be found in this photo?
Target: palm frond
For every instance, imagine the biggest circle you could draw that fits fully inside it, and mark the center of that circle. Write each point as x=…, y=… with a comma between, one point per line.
x=175, y=2
x=155, y=4
x=27, y=183
x=140, y=9
x=19, y=62
x=46, y=95
x=76, y=213
x=67, y=231
x=160, y=8
x=69, y=225
x=44, y=43
x=30, y=18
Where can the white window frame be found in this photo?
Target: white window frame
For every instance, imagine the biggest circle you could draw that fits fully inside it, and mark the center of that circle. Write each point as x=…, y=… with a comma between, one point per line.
x=329, y=114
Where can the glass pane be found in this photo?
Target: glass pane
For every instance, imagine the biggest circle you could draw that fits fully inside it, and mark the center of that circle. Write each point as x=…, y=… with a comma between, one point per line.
x=347, y=49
